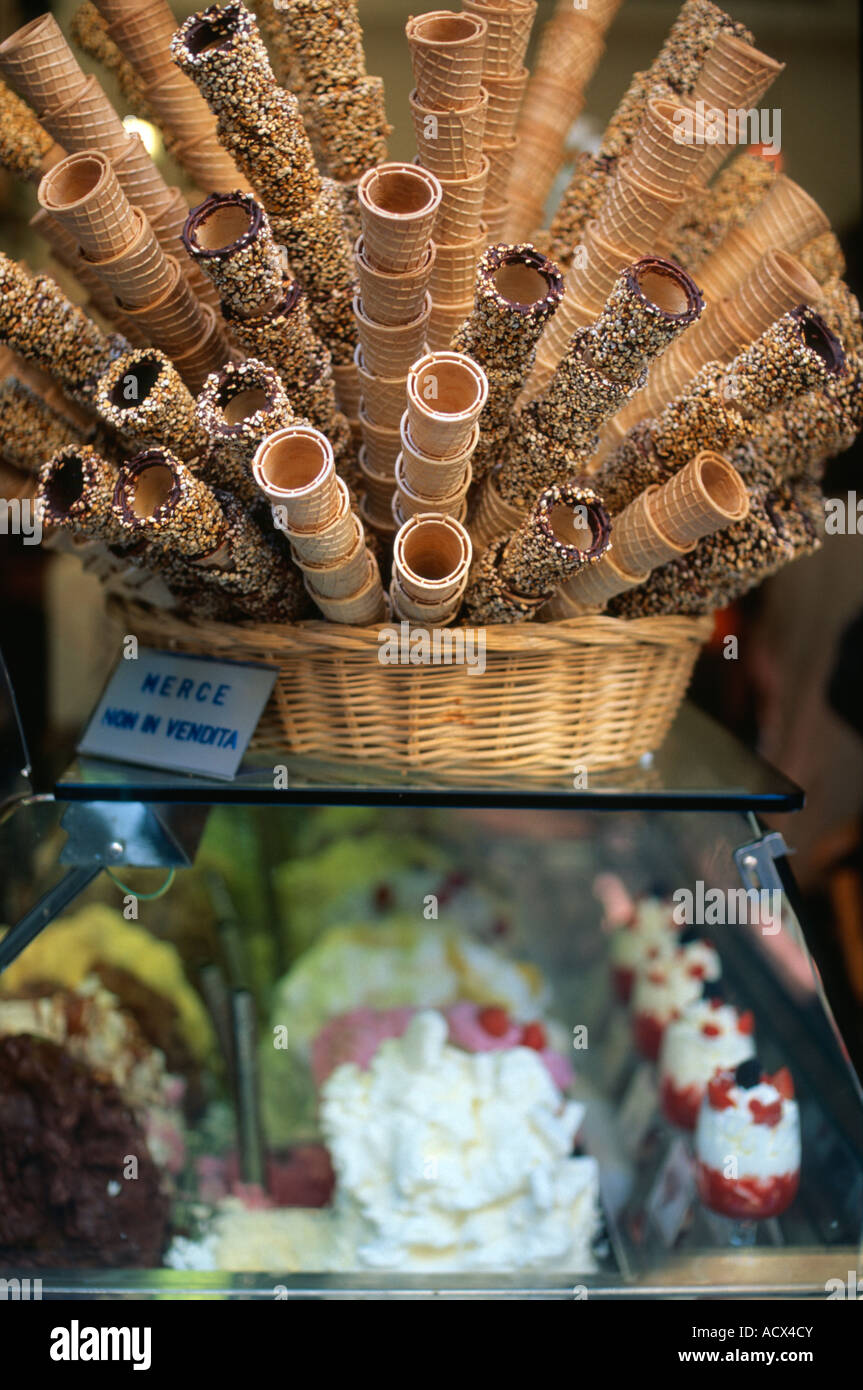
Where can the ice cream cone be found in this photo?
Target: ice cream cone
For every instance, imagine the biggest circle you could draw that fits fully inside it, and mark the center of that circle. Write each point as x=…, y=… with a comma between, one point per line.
x=639, y=543
x=390, y=349
x=431, y=557
x=454, y=274
x=141, y=272
x=398, y=207
x=229, y=236
x=786, y=219
x=365, y=606
x=720, y=335
x=382, y=444
x=83, y=193
x=209, y=164
x=500, y=159
x=446, y=395
x=411, y=609
x=663, y=156
x=179, y=106
x=730, y=263
x=141, y=181
x=295, y=468
x=168, y=222
x=734, y=73
x=494, y=222
x=346, y=379
x=460, y=215
x=144, y=36
x=447, y=52
x=505, y=95
x=393, y=297
x=450, y=142
x=571, y=315
x=546, y=116
x=143, y=398
x=209, y=353
x=634, y=212
x=378, y=487
x=384, y=398
x=493, y=517
x=350, y=127
x=111, y=10
x=590, y=589
x=344, y=576
x=411, y=503
x=603, y=262
x=176, y=319
x=509, y=27
x=37, y=61
x=328, y=543
x=87, y=122
x=444, y=323
x=778, y=283
x=705, y=496
x=432, y=477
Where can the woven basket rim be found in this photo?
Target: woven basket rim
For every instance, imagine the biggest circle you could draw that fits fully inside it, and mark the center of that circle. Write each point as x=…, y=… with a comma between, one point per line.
x=512, y=639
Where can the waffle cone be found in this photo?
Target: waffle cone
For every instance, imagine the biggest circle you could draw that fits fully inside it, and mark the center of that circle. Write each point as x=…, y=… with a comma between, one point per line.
x=176, y=319
x=366, y=606
x=384, y=398
x=590, y=589
x=720, y=334
x=209, y=164
x=658, y=158
x=432, y=557
x=88, y=121
x=378, y=487
x=639, y=543
x=445, y=321
x=382, y=445
x=83, y=193
x=398, y=207
x=429, y=477
x=37, y=61
x=331, y=542
x=379, y=522
x=450, y=142
x=179, y=106
x=139, y=274
x=344, y=576
x=454, y=275
x=144, y=36
x=393, y=297
x=209, y=354
x=571, y=315
x=500, y=164
x=493, y=223
x=786, y=219
x=168, y=222
x=604, y=262
x=447, y=52
x=730, y=263
x=446, y=395
x=505, y=96
x=509, y=28
x=411, y=610
x=346, y=379
x=570, y=47
x=140, y=180
x=734, y=73
x=295, y=468
x=705, y=496
x=634, y=212
x=460, y=213
x=493, y=518
x=389, y=350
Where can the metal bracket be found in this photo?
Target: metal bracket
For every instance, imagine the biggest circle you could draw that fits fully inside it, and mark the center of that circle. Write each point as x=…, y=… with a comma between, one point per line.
x=756, y=862
x=132, y=834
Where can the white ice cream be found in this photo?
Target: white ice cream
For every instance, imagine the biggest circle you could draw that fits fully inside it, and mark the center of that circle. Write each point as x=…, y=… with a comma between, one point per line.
x=760, y=1151
x=689, y=1057
x=665, y=987
x=653, y=931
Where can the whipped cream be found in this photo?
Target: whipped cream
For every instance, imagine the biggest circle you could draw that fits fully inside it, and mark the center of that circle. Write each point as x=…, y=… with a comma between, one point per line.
x=666, y=986
x=653, y=933
x=760, y=1151
x=689, y=1057
x=453, y=1160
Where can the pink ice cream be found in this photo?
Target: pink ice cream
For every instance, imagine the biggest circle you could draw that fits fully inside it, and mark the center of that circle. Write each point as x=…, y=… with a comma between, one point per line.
x=478, y=1029
x=302, y=1177
x=355, y=1037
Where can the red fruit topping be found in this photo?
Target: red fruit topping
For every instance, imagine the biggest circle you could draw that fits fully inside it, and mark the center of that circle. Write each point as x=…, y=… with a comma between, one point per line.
x=719, y=1090
x=494, y=1021
x=769, y=1115
x=711, y=1030
x=533, y=1035
x=746, y=1022
x=696, y=971
x=656, y=977
x=716, y=1003
x=784, y=1083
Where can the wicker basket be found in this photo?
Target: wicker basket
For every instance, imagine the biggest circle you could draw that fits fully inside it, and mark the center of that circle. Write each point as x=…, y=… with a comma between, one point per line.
x=592, y=692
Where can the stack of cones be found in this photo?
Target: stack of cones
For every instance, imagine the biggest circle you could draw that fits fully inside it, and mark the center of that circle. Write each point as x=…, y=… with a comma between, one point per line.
x=117, y=243
x=295, y=470
x=143, y=398
x=509, y=24
x=449, y=106
x=734, y=78
x=785, y=220
x=570, y=48
x=431, y=563
x=660, y=525
x=395, y=258
x=446, y=394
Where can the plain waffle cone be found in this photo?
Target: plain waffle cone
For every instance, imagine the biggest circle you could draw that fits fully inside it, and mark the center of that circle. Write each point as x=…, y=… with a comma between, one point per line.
x=210, y=353
x=634, y=212
x=423, y=614
x=176, y=319
x=500, y=163
x=144, y=37
x=168, y=223
x=450, y=142
x=603, y=263
x=572, y=314
x=399, y=204
x=390, y=349
x=385, y=398
x=658, y=157
x=454, y=275
x=140, y=180
x=779, y=282
x=432, y=557
x=380, y=522
x=179, y=106
x=493, y=223
x=434, y=477
x=88, y=121
x=447, y=52
x=493, y=518
x=446, y=395
x=460, y=214
x=366, y=606
x=343, y=576
x=505, y=96
x=703, y=497
x=382, y=445
x=209, y=164
x=346, y=379
x=83, y=193
x=734, y=73
x=444, y=323
x=139, y=274
x=590, y=589
x=787, y=218
x=719, y=335
x=331, y=541
x=379, y=487
x=639, y=543
x=295, y=468
x=508, y=35
x=37, y=61
x=737, y=254
x=393, y=297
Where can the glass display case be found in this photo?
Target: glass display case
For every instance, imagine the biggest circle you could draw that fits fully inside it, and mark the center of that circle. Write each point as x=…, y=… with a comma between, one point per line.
x=380, y=1042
